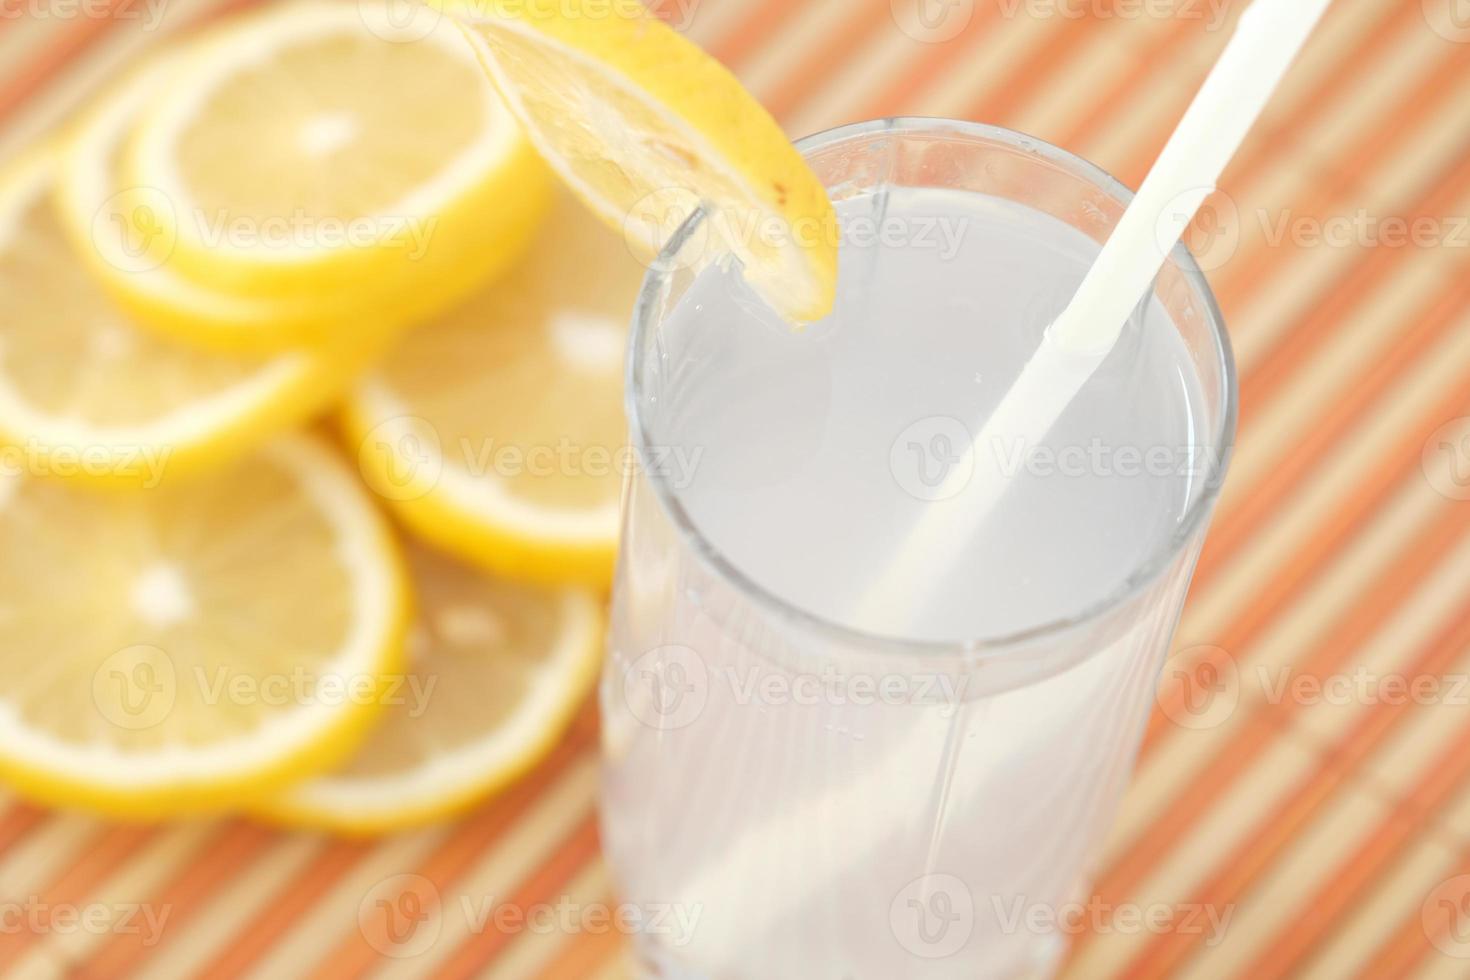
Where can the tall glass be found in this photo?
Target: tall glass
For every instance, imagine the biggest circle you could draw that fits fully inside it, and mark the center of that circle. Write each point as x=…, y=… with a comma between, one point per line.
x=785, y=796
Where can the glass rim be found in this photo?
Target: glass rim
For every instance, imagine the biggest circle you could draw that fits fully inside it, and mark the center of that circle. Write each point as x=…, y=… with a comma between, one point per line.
x=646, y=313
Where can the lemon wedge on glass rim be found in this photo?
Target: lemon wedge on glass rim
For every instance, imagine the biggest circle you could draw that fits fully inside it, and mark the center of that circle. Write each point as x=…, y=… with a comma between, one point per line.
x=644, y=126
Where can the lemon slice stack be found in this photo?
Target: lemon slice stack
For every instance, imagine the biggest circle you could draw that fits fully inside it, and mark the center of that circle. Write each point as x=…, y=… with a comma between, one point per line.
x=496, y=671
x=84, y=392
x=186, y=647
x=495, y=430
x=206, y=604
x=301, y=174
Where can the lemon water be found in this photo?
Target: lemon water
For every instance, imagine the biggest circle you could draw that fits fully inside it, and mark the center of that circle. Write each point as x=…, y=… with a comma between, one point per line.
x=820, y=448
x=829, y=806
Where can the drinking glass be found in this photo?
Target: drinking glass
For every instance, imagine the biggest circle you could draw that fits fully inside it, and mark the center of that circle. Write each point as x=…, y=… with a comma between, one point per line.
x=788, y=797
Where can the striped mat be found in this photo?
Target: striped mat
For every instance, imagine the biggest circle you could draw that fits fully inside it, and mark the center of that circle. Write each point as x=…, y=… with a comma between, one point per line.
x=1307, y=771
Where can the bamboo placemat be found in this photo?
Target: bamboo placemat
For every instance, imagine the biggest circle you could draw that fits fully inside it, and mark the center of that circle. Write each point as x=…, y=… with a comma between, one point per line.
x=1306, y=777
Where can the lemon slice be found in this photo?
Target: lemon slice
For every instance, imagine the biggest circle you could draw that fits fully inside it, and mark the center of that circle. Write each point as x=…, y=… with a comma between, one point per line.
x=496, y=672
x=117, y=230
x=497, y=431
x=643, y=125
x=325, y=148
x=182, y=648
x=85, y=394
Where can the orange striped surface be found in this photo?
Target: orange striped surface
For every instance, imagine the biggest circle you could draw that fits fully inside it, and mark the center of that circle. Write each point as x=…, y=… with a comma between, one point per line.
x=1333, y=828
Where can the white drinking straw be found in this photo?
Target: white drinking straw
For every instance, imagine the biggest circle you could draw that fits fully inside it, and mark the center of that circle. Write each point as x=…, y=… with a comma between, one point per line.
x=1266, y=40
